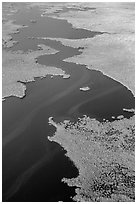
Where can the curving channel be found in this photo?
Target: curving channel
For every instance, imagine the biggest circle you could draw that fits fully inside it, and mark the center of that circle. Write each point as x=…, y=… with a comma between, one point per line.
x=32, y=166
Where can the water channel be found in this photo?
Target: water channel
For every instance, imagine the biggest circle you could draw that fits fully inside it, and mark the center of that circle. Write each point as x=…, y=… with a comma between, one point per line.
x=32, y=166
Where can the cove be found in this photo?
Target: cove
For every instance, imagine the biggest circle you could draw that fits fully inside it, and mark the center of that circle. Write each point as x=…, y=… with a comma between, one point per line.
x=44, y=27
x=32, y=166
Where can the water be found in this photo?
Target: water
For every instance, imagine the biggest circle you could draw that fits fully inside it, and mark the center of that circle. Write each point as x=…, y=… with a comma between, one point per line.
x=45, y=27
x=33, y=166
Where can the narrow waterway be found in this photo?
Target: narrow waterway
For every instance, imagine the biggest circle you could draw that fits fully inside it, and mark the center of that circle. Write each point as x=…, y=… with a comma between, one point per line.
x=32, y=166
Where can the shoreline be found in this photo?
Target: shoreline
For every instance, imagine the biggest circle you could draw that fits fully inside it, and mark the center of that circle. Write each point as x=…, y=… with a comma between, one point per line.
x=36, y=131
x=94, y=153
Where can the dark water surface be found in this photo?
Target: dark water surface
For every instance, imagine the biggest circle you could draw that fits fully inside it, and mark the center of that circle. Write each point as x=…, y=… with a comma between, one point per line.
x=32, y=166
x=45, y=27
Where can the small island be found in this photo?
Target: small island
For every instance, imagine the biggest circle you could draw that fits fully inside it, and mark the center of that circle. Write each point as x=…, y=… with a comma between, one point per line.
x=86, y=88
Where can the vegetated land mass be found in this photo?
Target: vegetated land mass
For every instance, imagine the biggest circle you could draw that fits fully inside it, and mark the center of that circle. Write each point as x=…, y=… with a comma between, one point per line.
x=104, y=155
x=103, y=152
x=21, y=67
x=111, y=52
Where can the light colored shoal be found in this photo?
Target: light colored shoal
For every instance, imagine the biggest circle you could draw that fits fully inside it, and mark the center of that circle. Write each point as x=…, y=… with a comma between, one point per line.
x=20, y=67
x=104, y=155
x=129, y=110
x=86, y=88
x=66, y=76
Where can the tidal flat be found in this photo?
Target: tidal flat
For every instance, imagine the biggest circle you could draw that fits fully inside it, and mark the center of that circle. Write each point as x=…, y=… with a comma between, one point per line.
x=33, y=145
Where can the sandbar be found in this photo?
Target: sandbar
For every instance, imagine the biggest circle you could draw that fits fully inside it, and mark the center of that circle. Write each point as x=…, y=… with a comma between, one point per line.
x=86, y=88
